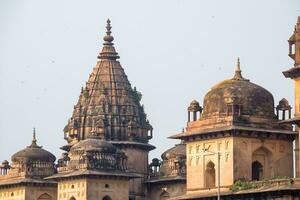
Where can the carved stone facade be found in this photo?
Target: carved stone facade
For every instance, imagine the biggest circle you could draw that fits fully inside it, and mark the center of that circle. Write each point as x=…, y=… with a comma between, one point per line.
x=25, y=177
x=95, y=169
x=167, y=178
x=106, y=133
x=109, y=103
x=240, y=137
x=239, y=124
x=238, y=130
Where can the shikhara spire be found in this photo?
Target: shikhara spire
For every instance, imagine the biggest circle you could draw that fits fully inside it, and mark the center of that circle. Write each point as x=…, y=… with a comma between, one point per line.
x=108, y=50
x=108, y=104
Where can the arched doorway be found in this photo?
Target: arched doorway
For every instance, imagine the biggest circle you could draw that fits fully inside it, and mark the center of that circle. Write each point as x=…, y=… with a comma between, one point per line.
x=257, y=171
x=72, y=198
x=106, y=198
x=210, y=175
x=45, y=196
x=164, y=195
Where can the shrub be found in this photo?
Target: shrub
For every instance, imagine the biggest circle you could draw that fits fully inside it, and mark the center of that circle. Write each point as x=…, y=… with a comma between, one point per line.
x=242, y=185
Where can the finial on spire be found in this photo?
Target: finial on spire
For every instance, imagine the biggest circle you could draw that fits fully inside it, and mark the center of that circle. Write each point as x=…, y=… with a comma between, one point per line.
x=108, y=50
x=33, y=143
x=238, y=64
x=34, y=137
x=108, y=38
x=238, y=72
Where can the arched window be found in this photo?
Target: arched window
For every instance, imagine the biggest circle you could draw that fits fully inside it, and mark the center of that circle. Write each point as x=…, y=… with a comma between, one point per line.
x=262, y=164
x=45, y=196
x=257, y=171
x=106, y=198
x=210, y=175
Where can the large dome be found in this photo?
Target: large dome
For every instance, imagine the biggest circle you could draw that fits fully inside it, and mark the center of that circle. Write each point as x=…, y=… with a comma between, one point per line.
x=254, y=100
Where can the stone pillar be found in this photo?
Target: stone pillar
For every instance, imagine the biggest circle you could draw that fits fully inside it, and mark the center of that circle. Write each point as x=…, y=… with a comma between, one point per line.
x=195, y=116
x=297, y=97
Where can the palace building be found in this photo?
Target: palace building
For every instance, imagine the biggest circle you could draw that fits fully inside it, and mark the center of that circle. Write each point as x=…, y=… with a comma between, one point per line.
x=238, y=144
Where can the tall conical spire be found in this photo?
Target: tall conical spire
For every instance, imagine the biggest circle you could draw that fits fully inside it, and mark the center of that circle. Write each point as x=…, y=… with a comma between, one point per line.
x=108, y=50
x=108, y=103
x=238, y=71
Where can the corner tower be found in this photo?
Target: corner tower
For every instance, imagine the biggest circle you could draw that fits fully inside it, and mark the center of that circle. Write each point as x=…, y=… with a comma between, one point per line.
x=294, y=73
x=109, y=103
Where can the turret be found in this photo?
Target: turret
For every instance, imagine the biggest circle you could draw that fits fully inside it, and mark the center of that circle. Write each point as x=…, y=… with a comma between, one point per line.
x=294, y=73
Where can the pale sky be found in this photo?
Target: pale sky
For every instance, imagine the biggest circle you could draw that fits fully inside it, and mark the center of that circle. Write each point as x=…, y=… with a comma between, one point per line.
x=173, y=51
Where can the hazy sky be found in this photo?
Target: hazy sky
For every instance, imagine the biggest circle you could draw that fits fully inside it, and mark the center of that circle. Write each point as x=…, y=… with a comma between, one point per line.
x=172, y=51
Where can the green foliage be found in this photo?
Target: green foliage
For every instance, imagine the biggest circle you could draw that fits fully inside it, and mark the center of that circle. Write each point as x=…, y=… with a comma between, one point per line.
x=242, y=185
x=137, y=95
x=86, y=93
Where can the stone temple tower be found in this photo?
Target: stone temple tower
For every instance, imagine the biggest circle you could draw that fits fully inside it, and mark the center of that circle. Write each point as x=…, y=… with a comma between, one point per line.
x=294, y=73
x=109, y=103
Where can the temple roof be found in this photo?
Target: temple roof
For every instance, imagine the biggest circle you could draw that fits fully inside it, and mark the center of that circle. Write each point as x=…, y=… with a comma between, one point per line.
x=109, y=101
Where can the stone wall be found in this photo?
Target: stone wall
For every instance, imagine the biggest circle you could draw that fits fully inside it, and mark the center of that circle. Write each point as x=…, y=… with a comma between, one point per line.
x=115, y=189
x=138, y=163
x=236, y=157
x=93, y=189
x=160, y=191
x=72, y=188
x=29, y=193
x=15, y=193
x=276, y=156
x=197, y=160
x=40, y=193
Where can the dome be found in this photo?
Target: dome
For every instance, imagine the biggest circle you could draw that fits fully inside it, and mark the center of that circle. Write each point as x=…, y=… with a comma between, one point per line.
x=253, y=99
x=33, y=153
x=178, y=151
x=194, y=106
x=283, y=104
x=94, y=144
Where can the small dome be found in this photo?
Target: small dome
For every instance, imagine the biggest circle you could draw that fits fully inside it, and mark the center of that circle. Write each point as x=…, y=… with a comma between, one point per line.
x=94, y=144
x=5, y=162
x=178, y=151
x=194, y=106
x=254, y=99
x=33, y=153
x=283, y=104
